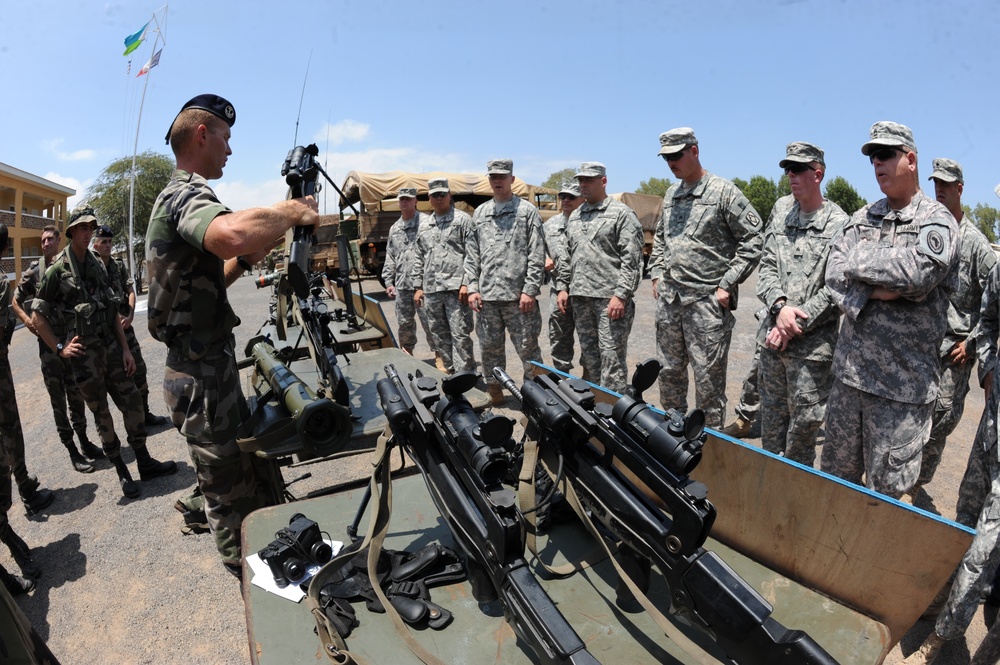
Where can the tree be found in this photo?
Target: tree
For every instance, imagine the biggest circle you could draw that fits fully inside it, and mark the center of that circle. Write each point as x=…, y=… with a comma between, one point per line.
x=784, y=187
x=762, y=193
x=557, y=179
x=654, y=187
x=985, y=217
x=843, y=194
x=109, y=196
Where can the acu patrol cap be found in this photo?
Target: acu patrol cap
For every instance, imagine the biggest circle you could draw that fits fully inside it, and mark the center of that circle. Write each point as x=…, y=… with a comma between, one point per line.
x=217, y=106
x=81, y=215
x=438, y=185
x=590, y=170
x=407, y=193
x=571, y=187
x=500, y=167
x=888, y=134
x=676, y=140
x=947, y=170
x=801, y=152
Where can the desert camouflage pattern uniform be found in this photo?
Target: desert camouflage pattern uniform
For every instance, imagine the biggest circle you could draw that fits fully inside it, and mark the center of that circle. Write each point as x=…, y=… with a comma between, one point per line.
x=123, y=286
x=795, y=383
x=880, y=407
x=57, y=373
x=400, y=255
x=975, y=260
x=561, y=325
x=505, y=258
x=190, y=313
x=439, y=269
x=708, y=237
x=12, y=461
x=76, y=299
x=603, y=259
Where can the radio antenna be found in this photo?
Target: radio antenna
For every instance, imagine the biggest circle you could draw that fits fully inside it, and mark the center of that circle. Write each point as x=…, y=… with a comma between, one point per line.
x=305, y=78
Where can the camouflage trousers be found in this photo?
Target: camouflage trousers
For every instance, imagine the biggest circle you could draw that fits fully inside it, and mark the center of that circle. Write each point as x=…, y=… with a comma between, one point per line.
x=603, y=342
x=875, y=436
x=449, y=328
x=406, y=315
x=561, y=328
x=948, y=409
x=524, y=329
x=99, y=373
x=206, y=405
x=698, y=334
x=976, y=571
x=10, y=429
x=981, y=472
x=793, y=395
x=139, y=378
x=749, y=405
x=57, y=373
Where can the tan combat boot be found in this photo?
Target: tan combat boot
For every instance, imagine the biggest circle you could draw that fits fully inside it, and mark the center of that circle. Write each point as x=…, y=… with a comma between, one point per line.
x=495, y=393
x=927, y=652
x=740, y=429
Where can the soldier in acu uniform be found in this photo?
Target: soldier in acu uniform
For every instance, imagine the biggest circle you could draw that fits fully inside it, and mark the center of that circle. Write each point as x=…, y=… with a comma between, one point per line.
x=57, y=372
x=439, y=278
x=560, y=323
x=504, y=266
x=598, y=279
x=195, y=248
x=76, y=315
x=707, y=242
x=891, y=271
x=400, y=255
x=123, y=287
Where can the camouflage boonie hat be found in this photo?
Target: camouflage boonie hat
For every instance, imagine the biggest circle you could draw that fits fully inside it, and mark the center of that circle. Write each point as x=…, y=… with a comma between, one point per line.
x=676, y=140
x=438, y=185
x=407, y=193
x=801, y=152
x=591, y=169
x=570, y=187
x=890, y=135
x=500, y=167
x=947, y=170
x=81, y=215
x=217, y=106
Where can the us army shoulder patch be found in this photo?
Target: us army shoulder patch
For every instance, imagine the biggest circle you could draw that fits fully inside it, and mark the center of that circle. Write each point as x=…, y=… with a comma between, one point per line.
x=753, y=220
x=935, y=241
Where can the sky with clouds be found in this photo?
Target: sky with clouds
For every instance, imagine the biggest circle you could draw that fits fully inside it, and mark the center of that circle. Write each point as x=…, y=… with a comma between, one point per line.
x=448, y=85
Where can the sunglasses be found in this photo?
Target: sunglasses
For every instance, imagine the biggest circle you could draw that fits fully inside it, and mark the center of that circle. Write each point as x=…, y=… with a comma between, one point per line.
x=883, y=154
x=439, y=195
x=798, y=168
x=566, y=197
x=673, y=157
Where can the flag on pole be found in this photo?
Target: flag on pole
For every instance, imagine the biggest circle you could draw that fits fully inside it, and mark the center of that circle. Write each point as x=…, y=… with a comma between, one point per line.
x=153, y=62
x=132, y=41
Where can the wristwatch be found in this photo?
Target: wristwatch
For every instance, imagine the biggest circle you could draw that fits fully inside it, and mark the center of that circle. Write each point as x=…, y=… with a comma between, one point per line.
x=776, y=307
x=59, y=347
x=244, y=263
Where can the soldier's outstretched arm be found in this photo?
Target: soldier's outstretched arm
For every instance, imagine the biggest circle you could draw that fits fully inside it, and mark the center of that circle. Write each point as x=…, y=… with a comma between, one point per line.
x=255, y=230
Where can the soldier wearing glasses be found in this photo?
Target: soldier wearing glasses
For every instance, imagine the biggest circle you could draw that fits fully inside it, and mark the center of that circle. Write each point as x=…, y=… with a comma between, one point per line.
x=707, y=242
x=799, y=334
x=891, y=272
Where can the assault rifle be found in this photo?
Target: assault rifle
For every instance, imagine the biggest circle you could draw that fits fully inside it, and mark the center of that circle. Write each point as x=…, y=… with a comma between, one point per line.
x=463, y=460
x=660, y=452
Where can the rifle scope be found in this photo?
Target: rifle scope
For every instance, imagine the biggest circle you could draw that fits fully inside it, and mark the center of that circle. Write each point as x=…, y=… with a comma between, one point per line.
x=675, y=440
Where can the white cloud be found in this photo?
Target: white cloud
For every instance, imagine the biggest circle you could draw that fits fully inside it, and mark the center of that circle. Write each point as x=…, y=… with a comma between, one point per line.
x=69, y=181
x=342, y=132
x=53, y=146
x=240, y=195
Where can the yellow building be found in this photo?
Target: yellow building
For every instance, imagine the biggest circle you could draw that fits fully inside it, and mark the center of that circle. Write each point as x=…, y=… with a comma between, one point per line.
x=28, y=203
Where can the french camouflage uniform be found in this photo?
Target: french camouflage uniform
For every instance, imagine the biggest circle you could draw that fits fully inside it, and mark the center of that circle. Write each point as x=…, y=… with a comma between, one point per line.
x=57, y=372
x=882, y=400
x=189, y=311
x=560, y=324
x=439, y=269
x=76, y=299
x=123, y=286
x=708, y=237
x=505, y=258
x=12, y=460
x=975, y=260
x=400, y=255
x=603, y=259
x=795, y=382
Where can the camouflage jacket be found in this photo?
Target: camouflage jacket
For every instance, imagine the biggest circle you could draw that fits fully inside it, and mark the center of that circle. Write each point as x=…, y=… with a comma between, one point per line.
x=554, y=236
x=793, y=266
x=121, y=283
x=890, y=348
x=401, y=253
x=439, y=264
x=708, y=236
x=603, y=251
x=189, y=310
x=7, y=319
x=975, y=260
x=76, y=298
x=506, y=252
x=27, y=287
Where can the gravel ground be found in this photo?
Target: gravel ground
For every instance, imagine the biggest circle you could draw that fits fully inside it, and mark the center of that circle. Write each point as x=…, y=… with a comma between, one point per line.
x=121, y=584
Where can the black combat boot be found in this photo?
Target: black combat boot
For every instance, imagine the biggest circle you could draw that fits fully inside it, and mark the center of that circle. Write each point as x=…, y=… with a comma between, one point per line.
x=150, y=468
x=129, y=488
x=151, y=420
x=79, y=462
x=20, y=553
x=87, y=448
x=37, y=500
x=16, y=584
x=28, y=485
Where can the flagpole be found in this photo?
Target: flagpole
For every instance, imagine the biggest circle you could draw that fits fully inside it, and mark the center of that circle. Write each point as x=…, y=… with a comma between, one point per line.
x=135, y=150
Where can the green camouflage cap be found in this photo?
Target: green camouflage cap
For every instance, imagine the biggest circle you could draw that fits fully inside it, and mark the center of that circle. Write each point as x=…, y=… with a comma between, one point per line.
x=571, y=187
x=591, y=169
x=438, y=185
x=801, y=152
x=407, y=193
x=676, y=140
x=500, y=167
x=83, y=214
x=947, y=170
x=889, y=134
